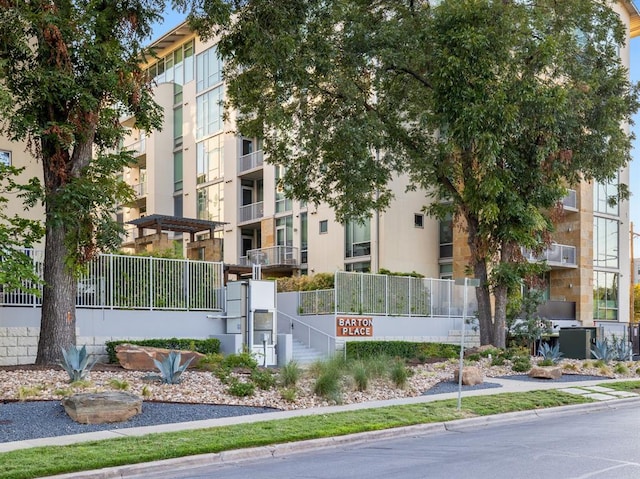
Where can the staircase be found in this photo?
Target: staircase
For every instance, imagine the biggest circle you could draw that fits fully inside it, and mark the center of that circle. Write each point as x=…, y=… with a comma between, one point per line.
x=304, y=355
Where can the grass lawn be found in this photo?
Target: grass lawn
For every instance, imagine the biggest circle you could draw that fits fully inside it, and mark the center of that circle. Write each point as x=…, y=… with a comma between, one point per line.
x=44, y=461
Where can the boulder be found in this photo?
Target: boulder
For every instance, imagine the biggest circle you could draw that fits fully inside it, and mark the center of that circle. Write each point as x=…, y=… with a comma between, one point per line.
x=470, y=376
x=102, y=407
x=546, y=372
x=140, y=358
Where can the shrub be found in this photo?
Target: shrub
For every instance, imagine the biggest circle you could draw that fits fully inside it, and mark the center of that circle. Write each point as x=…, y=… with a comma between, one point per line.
x=204, y=346
x=120, y=385
x=546, y=362
x=211, y=361
x=521, y=364
x=498, y=361
x=399, y=374
x=603, y=351
x=290, y=374
x=289, y=394
x=360, y=375
x=400, y=349
x=240, y=389
x=263, y=378
x=76, y=362
x=621, y=368
x=328, y=381
x=549, y=353
x=240, y=360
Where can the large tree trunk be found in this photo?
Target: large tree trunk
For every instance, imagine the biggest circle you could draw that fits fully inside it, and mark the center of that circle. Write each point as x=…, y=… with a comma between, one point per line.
x=483, y=298
x=58, y=321
x=500, y=319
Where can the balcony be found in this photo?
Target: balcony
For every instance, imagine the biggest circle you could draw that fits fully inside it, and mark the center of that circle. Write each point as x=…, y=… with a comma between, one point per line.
x=140, y=189
x=558, y=256
x=138, y=148
x=570, y=202
x=250, y=161
x=273, y=256
x=251, y=212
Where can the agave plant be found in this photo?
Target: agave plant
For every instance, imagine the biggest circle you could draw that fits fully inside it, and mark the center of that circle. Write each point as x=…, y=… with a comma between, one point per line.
x=549, y=353
x=603, y=351
x=622, y=349
x=76, y=362
x=170, y=368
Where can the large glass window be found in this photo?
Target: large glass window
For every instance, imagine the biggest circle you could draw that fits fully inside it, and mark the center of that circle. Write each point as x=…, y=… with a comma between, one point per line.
x=605, y=197
x=209, y=113
x=177, y=171
x=605, y=295
x=446, y=238
x=359, y=267
x=177, y=127
x=282, y=202
x=284, y=231
x=176, y=67
x=605, y=242
x=210, y=202
x=304, y=237
x=357, y=239
x=208, y=69
x=209, y=159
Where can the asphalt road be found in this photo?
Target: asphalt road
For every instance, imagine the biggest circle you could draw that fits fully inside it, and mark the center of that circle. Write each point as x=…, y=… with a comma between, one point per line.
x=603, y=444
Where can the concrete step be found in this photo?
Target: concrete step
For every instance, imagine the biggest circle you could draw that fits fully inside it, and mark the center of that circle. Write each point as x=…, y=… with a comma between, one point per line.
x=303, y=354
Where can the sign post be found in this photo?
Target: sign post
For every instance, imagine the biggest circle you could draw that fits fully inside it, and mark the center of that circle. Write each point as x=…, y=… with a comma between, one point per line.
x=463, y=282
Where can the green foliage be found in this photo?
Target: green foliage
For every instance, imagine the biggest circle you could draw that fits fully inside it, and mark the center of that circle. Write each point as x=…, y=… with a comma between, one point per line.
x=473, y=119
x=525, y=326
x=289, y=394
x=521, y=364
x=399, y=374
x=290, y=374
x=621, y=368
x=306, y=283
x=240, y=360
x=211, y=361
x=498, y=361
x=413, y=274
x=240, y=389
x=622, y=349
x=360, y=375
x=76, y=362
x=170, y=368
x=204, y=346
x=328, y=382
x=120, y=385
x=263, y=378
x=550, y=353
x=401, y=349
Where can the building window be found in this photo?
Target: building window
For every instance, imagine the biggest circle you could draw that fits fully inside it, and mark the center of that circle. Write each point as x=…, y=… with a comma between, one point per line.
x=210, y=159
x=605, y=242
x=304, y=238
x=446, y=271
x=324, y=226
x=210, y=202
x=177, y=171
x=5, y=157
x=282, y=202
x=208, y=69
x=176, y=67
x=446, y=238
x=359, y=267
x=605, y=197
x=209, y=110
x=284, y=231
x=605, y=295
x=177, y=206
x=418, y=220
x=177, y=127
x=357, y=239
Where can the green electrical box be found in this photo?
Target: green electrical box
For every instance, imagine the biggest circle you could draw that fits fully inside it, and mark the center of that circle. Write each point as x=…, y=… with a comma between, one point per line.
x=576, y=343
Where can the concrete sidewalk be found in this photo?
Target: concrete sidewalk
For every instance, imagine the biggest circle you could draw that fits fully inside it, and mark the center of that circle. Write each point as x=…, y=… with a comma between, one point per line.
x=586, y=388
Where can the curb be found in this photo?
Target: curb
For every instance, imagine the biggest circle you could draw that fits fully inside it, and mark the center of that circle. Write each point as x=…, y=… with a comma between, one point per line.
x=279, y=450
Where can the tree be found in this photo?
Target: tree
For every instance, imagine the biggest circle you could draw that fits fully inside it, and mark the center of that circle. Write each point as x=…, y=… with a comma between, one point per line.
x=493, y=107
x=71, y=69
x=636, y=303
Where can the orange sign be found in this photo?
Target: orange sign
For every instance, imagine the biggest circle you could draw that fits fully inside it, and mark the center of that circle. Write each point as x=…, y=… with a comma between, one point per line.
x=354, y=326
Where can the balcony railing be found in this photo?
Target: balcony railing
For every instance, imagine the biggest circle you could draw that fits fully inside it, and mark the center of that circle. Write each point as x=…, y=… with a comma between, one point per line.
x=273, y=256
x=138, y=147
x=556, y=255
x=251, y=212
x=570, y=202
x=250, y=161
x=140, y=189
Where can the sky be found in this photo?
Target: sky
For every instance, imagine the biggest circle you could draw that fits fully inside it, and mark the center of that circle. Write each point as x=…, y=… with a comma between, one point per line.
x=173, y=19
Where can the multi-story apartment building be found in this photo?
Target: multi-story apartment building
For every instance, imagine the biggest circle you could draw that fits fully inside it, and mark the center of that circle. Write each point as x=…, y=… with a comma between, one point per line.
x=205, y=190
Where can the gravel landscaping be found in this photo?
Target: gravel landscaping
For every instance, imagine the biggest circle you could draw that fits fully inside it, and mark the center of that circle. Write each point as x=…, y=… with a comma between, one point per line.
x=30, y=392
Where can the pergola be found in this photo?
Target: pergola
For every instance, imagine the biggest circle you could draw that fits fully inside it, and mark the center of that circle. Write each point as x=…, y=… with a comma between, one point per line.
x=161, y=223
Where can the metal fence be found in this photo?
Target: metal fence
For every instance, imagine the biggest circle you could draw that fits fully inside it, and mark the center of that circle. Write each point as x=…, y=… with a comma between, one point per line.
x=137, y=282
x=382, y=295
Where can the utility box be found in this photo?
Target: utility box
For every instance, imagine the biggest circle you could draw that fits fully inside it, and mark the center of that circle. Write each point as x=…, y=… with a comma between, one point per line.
x=576, y=343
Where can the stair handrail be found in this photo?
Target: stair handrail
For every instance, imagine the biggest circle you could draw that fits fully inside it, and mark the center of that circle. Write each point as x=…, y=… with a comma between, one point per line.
x=328, y=337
